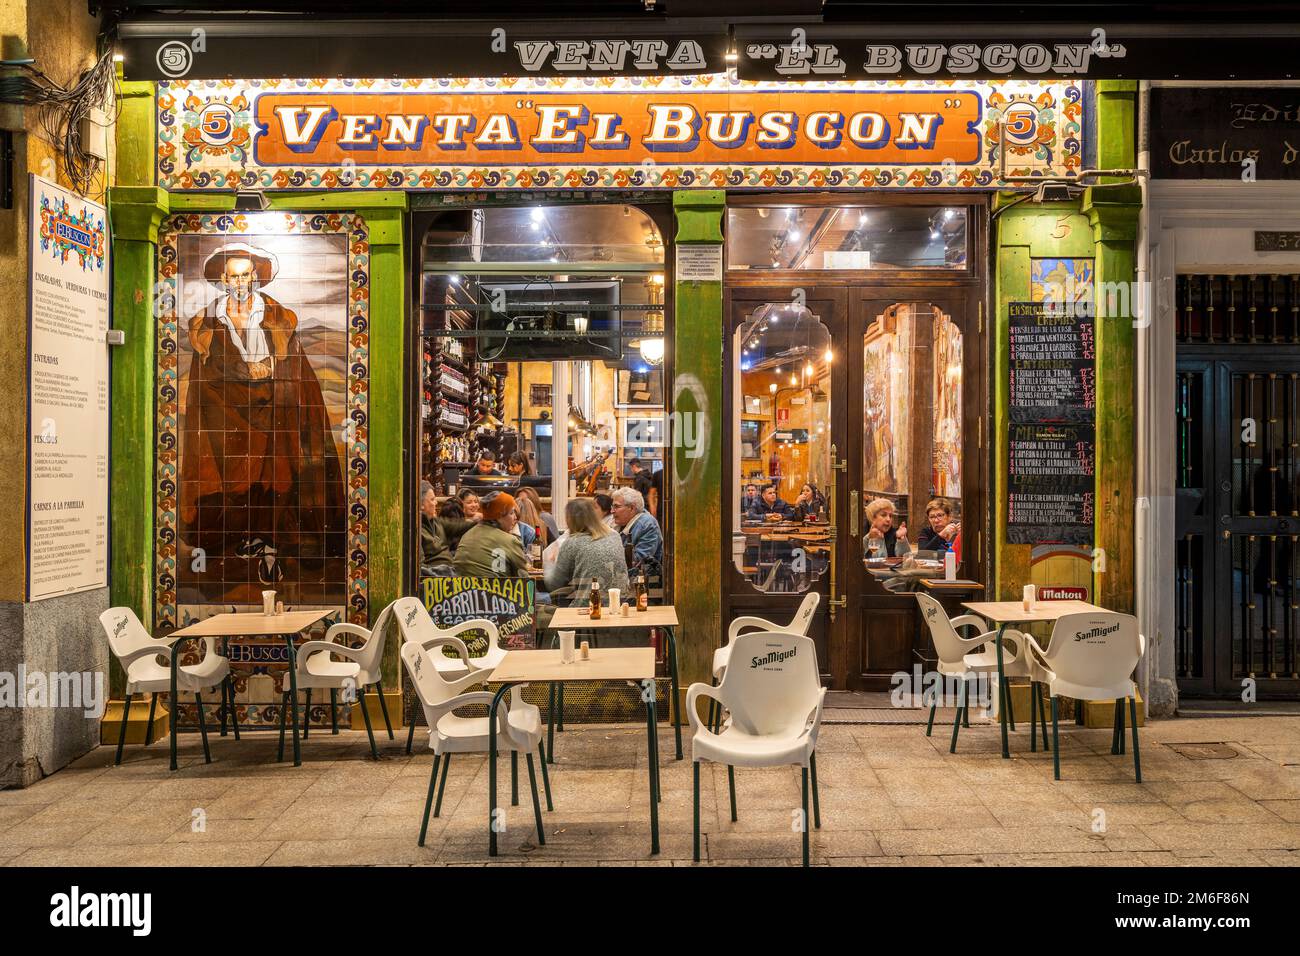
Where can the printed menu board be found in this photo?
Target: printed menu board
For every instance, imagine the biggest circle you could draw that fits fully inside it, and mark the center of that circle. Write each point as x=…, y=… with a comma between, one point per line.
x=68, y=316
x=1051, y=483
x=507, y=602
x=1053, y=372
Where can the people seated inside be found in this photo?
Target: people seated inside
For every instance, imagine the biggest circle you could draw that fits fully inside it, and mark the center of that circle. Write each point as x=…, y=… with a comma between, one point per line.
x=639, y=530
x=770, y=504
x=469, y=500
x=551, y=532
x=811, y=503
x=605, y=505
x=882, y=539
x=486, y=464
x=491, y=549
x=940, y=529
x=531, y=520
x=641, y=478
x=590, y=551
x=436, y=533
x=750, y=499
x=518, y=465
x=450, y=507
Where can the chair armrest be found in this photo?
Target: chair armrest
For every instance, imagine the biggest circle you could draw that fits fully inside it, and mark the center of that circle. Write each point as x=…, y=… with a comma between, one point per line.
x=1035, y=656
x=303, y=651
x=969, y=620
x=355, y=630
x=150, y=650
x=449, y=640
x=740, y=623
x=693, y=693
x=814, y=723
x=476, y=624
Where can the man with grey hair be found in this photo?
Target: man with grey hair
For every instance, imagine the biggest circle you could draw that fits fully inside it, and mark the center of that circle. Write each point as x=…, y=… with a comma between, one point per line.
x=639, y=530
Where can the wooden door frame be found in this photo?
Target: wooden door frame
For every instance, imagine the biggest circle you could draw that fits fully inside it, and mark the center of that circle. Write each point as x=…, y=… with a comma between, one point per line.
x=972, y=284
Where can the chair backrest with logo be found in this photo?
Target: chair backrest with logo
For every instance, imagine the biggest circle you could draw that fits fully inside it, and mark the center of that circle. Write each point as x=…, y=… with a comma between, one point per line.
x=1093, y=654
x=374, y=648
x=772, y=684
x=803, y=617
x=124, y=631
x=947, y=643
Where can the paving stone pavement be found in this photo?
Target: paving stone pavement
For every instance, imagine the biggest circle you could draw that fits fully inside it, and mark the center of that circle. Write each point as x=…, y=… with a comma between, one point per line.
x=889, y=796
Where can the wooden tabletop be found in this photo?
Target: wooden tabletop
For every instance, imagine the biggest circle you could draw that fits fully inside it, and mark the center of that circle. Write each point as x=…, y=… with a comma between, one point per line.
x=605, y=663
x=1013, y=612
x=254, y=624
x=571, y=618
x=940, y=584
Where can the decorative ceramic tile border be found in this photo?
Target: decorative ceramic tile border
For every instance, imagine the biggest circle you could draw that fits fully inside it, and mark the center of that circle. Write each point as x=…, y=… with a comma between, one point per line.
x=341, y=134
x=356, y=428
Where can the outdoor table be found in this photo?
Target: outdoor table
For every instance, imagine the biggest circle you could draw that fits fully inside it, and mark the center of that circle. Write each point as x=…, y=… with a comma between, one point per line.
x=1003, y=613
x=250, y=624
x=657, y=615
x=632, y=664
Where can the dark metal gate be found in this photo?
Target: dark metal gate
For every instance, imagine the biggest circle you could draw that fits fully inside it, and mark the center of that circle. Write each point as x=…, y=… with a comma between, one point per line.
x=1237, y=617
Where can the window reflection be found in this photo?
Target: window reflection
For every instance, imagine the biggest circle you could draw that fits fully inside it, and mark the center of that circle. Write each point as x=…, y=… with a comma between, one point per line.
x=912, y=440
x=781, y=444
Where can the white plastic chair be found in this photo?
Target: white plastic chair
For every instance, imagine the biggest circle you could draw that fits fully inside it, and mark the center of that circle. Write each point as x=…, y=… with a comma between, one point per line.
x=774, y=700
x=139, y=655
x=1091, y=656
x=418, y=626
x=967, y=657
x=519, y=729
x=799, y=624
x=360, y=668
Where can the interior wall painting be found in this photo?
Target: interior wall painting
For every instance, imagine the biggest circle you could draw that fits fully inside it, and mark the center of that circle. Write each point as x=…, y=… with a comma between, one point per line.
x=884, y=374
x=263, y=417
x=946, y=480
x=1067, y=281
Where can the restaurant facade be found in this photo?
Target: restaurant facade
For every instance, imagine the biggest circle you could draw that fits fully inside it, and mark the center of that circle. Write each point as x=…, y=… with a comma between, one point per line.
x=829, y=265
x=727, y=257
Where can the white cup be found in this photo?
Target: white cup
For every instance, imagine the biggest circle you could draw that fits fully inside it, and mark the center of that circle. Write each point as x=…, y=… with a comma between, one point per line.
x=614, y=595
x=567, y=646
x=1030, y=596
x=268, y=602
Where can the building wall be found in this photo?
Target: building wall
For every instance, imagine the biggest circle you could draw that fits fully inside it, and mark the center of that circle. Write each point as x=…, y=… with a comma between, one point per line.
x=58, y=634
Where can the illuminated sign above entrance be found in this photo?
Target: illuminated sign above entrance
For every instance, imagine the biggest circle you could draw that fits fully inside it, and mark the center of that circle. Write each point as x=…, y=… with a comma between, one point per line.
x=664, y=132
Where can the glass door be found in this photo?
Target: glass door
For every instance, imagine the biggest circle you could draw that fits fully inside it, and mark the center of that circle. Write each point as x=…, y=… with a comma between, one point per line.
x=782, y=507
x=912, y=463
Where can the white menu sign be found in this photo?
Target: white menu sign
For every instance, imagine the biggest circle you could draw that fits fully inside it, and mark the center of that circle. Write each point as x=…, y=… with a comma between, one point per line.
x=68, y=311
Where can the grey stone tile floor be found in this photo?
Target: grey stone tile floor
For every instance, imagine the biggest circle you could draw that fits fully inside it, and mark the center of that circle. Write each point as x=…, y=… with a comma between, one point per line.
x=889, y=796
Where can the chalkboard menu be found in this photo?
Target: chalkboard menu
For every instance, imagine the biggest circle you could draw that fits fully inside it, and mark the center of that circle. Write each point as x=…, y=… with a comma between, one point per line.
x=1053, y=402
x=1052, y=488
x=507, y=602
x=1053, y=375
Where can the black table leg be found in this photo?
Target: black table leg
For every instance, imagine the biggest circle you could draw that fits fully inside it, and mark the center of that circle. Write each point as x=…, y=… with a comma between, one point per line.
x=1002, y=710
x=652, y=740
x=550, y=725
x=293, y=699
x=492, y=768
x=677, y=709
x=176, y=653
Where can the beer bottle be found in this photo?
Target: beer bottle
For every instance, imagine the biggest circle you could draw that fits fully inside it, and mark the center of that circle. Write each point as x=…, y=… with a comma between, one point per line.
x=595, y=599
x=642, y=598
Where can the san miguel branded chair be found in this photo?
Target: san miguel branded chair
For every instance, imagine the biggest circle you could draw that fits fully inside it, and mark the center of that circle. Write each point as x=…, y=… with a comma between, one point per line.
x=1091, y=656
x=519, y=725
x=359, y=669
x=799, y=624
x=774, y=696
x=965, y=658
x=418, y=626
x=139, y=654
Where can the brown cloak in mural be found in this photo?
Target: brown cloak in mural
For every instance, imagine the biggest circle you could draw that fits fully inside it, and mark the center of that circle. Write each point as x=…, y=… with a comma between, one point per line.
x=260, y=475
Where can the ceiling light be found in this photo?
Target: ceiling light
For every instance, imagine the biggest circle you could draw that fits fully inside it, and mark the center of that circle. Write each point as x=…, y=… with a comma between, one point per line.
x=829, y=354
x=652, y=350
x=772, y=388
x=948, y=214
x=794, y=235
x=537, y=214
x=794, y=379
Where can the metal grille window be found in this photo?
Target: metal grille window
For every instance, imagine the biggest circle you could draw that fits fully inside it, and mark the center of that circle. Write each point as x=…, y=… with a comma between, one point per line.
x=1239, y=309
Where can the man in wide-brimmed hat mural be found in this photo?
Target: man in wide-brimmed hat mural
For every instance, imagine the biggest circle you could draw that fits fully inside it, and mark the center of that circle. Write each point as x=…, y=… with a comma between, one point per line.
x=260, y=477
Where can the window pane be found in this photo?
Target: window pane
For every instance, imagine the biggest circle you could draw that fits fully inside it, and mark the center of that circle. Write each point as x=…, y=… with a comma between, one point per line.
x=846, y=237
x=781, y=415
x=912, y=420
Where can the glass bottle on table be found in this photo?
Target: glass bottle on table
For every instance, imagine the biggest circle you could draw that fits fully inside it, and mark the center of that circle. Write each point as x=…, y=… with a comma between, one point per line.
x=595, y=599
x=642, y=596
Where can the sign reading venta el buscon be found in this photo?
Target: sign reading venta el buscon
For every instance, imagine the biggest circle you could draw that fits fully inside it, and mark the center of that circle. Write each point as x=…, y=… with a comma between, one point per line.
x=658, y=132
